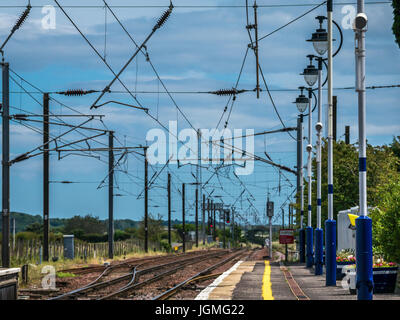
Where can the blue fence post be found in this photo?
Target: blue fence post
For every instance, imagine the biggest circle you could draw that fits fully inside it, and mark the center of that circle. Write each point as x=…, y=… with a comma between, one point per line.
x=302, y=236
x=365, y=282
x=319, y=251
x=310, y=249
x=330, y=252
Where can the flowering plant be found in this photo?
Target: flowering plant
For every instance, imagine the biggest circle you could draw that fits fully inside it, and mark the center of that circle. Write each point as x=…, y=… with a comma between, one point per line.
x=380, y=263
x=346, y=259
x=346, y=256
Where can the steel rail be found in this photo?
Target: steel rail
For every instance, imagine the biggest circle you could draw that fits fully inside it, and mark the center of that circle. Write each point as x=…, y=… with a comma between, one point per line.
x=99, y=285
x=165, y=295
x=159, y=276
x=84, y=270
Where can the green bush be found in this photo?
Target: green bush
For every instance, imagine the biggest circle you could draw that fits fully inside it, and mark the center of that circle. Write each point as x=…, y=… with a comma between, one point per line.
x=120, y=235
x=94, y=237
x=386, y=221
x=26, y=235
x=165, y=245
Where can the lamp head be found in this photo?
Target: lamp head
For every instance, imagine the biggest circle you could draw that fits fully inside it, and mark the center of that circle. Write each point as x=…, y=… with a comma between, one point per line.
x=320, y=38
x=310, y=75
x=302, y=103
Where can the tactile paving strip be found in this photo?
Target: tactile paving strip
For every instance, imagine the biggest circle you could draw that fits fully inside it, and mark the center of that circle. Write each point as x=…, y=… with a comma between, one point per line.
x=294, y=287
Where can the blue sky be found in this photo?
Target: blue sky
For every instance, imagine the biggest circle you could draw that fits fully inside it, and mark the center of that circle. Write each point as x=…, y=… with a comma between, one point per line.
x=198, y=49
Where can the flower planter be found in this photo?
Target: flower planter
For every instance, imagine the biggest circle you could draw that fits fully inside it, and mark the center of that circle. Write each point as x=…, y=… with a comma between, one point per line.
x=385, y=279
x=339, y=266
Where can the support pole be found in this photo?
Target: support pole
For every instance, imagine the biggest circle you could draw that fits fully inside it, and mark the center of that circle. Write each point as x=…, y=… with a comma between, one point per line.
x=215, y=221
x=330, y=224
x=347, y=135
x=183, y=219
x=256, y=50
x=146, y=203
x=319, y=234
x=364, y=283
x=169, y=208
x=223, y=227
x=233, y=227
x=198, y=185
x=204, y=219
x=209, y=217
x=270, y=238
x=111, y=195
x=13, y=233
x=197, y=218
x=334, y=118
x=5, y=245
x=300, y=188
x=46, y=172
x=309, y=229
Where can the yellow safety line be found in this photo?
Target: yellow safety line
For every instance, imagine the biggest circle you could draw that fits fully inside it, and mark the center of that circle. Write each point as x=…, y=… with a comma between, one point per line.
x=266, y=287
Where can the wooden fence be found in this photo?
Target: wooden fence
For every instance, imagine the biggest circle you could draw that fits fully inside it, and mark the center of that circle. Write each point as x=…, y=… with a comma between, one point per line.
x=25, y=251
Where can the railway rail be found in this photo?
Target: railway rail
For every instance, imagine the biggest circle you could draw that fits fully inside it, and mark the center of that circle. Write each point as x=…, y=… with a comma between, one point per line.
x=99, y=283
x=202, y=275
x=101, y=268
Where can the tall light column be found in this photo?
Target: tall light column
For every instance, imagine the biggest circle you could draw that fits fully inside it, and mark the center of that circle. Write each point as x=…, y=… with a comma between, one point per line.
x=319, y=234
x=301, y=103
x=330, y=224
x=309, y=229
x=363, y=223
x=5, y=244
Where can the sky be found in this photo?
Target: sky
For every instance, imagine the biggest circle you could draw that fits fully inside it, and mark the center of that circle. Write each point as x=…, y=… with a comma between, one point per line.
x=198, y=49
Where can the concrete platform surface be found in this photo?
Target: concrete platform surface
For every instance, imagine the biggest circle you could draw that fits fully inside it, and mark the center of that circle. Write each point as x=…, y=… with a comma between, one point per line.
x=314, y=286
x=265, y=280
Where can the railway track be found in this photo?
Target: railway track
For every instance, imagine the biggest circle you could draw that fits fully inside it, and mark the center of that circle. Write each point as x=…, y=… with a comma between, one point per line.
x=101, y=268
x=129, y=278
x=200, y=276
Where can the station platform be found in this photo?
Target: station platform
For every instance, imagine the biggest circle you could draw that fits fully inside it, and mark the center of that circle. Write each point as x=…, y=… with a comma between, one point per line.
x=266, y=280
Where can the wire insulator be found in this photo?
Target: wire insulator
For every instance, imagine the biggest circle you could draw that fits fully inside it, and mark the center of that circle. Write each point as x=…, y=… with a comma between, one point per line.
x=20, y=116
x=78, y=92
x=164, y=17
x=22, y=18
x=20, y=158
x=225, y=92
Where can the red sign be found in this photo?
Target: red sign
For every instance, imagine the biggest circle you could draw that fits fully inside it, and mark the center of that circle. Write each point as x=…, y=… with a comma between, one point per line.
x=286, y=236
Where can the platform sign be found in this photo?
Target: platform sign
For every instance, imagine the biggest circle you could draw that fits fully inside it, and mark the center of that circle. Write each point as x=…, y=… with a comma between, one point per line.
x=270, y=209
x=286, y=236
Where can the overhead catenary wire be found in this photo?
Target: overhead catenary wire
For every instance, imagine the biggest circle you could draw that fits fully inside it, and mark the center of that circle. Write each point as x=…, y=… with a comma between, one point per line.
x=160, y=22
x=172, y=92
x=199, y=6
x=291, y=21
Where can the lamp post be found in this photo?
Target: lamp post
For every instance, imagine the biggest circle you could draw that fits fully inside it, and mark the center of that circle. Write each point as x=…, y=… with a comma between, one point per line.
x=363, y=222
x=319, y=233
x=309, y=229
x=300, y=189
x=311, y=75
x=322, y=42
x=301, y=103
